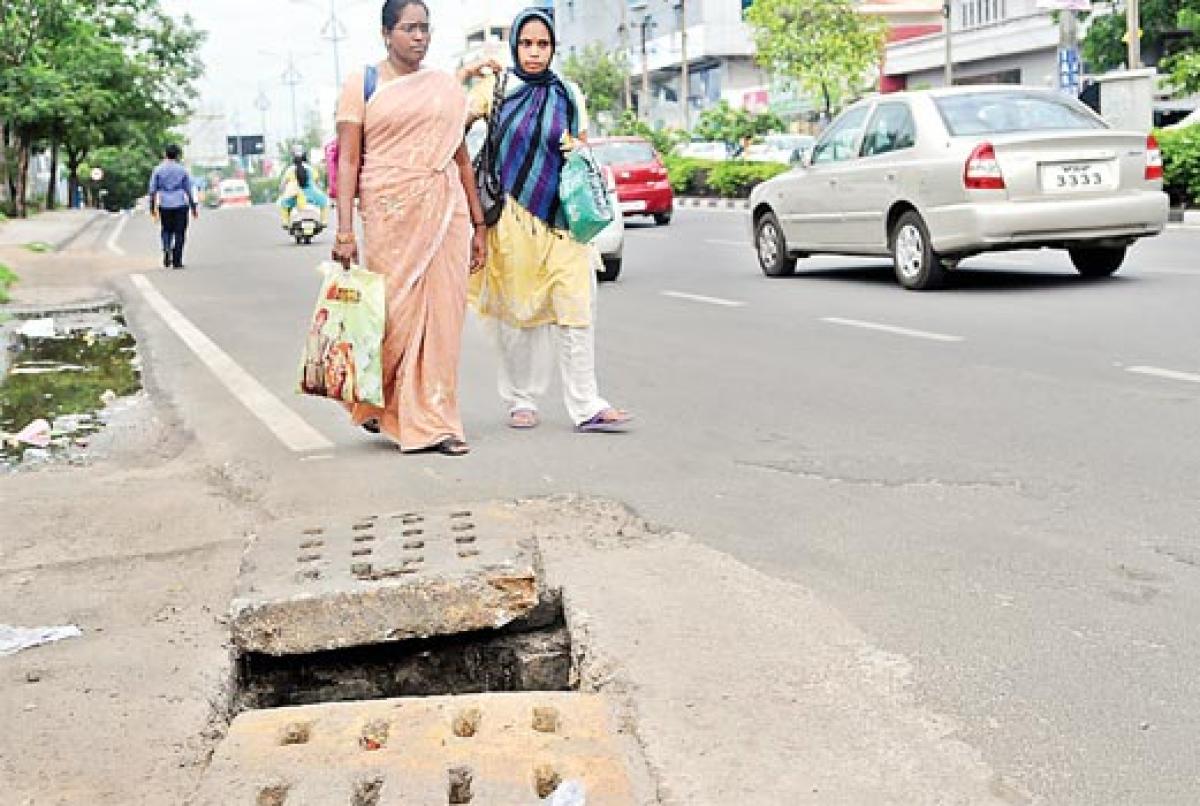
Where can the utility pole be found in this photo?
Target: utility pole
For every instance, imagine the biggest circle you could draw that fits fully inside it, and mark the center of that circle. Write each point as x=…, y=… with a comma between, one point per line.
x=624, y=6
x=644, y=105
x=1133, y=33
x=335, y=32
x=292, y=78
x=947, y=12
x=683, y=57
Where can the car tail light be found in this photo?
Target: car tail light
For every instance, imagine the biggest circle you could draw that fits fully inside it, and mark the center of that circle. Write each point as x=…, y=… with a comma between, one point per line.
x=1154, y=165
x=982, y=171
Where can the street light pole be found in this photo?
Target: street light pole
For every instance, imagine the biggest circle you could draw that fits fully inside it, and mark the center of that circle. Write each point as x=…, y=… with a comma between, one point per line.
x=624, y=6
x=644, y=105
x=947, y=12
x=686, y=93
x=1133, y=33
x=292, y=78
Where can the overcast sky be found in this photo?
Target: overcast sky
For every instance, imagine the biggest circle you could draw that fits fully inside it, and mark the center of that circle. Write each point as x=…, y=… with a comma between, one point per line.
x=248, y=43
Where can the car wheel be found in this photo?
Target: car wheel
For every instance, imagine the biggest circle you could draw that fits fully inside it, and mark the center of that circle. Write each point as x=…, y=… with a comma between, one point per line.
x=918, y=267
x=1097, y=261
x=662, y=219
x=772, y=248
x=612, y=270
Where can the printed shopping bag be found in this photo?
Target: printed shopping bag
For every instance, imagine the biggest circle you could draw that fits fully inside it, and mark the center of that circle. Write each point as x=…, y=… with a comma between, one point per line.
x=584, y=197
x=343, y=351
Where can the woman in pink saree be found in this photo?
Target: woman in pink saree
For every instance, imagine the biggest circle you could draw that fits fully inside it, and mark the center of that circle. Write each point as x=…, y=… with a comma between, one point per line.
x=404, y=126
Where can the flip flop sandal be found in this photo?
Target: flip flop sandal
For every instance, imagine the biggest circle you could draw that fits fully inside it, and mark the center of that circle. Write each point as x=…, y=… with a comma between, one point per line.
x=601, y=425
x=371, y=426
x=523, y=419
x=452, y=446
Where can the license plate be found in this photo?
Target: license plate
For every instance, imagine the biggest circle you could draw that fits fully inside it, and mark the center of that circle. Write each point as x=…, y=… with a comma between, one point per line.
x=308, y=227
x=1070, y=177
x=633, y=207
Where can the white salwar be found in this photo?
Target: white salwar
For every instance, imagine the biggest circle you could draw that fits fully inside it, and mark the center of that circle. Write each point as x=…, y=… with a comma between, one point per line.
x=527, y=356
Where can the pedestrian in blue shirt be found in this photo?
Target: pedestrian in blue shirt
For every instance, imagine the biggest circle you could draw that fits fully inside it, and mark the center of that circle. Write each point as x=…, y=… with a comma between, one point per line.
x=171, y=195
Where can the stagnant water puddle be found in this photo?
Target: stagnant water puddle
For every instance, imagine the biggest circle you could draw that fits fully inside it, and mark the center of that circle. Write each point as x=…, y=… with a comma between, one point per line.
x=64, y=369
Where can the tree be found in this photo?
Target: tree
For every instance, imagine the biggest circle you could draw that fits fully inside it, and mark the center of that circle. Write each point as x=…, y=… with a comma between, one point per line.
x=600, y=75
x=722, y=123
x=827, y=46
x=1170, y=38
x=663, y=140
x=76, y=75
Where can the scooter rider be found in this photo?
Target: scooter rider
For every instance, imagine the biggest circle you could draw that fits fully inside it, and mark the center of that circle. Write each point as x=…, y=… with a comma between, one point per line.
x=298, y=189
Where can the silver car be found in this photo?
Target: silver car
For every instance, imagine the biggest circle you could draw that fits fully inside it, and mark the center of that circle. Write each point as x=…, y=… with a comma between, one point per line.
x=932, y=177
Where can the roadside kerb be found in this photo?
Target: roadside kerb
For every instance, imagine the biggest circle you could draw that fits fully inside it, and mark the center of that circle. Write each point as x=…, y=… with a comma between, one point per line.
x=719, y=204
x=58, y=229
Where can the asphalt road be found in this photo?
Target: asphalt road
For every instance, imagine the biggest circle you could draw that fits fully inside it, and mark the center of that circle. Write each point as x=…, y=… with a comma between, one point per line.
x=997, y=482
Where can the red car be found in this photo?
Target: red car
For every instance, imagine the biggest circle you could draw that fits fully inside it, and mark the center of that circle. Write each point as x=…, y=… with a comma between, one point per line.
x=642, y=184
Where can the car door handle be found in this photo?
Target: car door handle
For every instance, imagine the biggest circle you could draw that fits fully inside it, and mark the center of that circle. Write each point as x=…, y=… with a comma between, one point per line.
x=890, y=176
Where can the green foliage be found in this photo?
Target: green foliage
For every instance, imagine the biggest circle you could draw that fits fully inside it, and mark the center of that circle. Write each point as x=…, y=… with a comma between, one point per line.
x=663, y=140
x=1181, y=163
x=601, y=76
x=39, y=247
x=263, y=189
x=707, y=178
x=683, y=172
x=8, y=278
x=827, y=46
x=1169, y=27
x=722, y=123
x=737, y=179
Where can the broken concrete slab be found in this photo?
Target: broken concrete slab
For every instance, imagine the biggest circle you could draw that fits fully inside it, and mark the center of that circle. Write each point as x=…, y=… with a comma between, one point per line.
x=488, y=749
x=309, y=586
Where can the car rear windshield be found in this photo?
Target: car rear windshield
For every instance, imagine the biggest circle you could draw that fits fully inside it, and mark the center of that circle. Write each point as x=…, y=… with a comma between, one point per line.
x=998, y=112
x=624, y=153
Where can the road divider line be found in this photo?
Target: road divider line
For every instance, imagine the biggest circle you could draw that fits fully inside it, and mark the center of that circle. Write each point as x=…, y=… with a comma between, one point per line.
x=296, y=434
x=725, y=303
x=1168, y=374
x=112, y=239
x=897, y=331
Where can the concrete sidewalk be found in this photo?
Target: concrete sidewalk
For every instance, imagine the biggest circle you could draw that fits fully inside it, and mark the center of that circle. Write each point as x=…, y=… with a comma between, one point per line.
x=742, y=688
x=55, y=229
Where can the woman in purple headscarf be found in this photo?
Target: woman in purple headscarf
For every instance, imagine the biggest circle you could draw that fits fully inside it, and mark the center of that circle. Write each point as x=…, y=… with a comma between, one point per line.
x=538, y=284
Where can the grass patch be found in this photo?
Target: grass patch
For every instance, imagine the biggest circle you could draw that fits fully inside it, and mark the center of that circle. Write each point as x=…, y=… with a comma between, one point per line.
x=39, y=247
x=8, y=278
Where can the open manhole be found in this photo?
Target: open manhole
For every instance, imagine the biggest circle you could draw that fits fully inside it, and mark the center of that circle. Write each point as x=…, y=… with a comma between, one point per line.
x=413, y=657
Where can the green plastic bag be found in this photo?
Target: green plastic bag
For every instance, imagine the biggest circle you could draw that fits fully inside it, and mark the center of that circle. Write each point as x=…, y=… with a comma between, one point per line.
x=584, y=197
x=343, y=351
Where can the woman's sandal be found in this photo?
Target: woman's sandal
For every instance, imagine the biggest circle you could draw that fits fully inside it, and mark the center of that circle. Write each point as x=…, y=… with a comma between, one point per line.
x=371, y=426
x=522, y=419
x=609, y=421
x=452, y=446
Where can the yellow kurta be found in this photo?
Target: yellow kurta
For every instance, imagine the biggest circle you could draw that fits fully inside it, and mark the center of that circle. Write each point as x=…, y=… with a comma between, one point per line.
x=535, y=274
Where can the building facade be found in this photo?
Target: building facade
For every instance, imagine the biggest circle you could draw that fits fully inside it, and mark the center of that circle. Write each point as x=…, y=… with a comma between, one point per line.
x=720, y=50
x=992, y=41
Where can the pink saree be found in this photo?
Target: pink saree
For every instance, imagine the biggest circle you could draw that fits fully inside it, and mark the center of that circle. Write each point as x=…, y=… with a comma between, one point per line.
x=417, y=234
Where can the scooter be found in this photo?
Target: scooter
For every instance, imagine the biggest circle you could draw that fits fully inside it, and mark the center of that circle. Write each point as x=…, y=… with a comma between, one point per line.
x=305, y=224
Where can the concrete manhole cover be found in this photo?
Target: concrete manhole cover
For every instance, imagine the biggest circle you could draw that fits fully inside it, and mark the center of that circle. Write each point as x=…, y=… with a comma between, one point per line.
x=494, y=749
x=308, y=587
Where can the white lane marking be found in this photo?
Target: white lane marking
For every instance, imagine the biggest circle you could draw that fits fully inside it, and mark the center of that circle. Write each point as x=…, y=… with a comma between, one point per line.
x=725, y=303
x=729, y=242
x=112, y=239
x=284, y=423
x=898, y=331
x=1169, y=374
